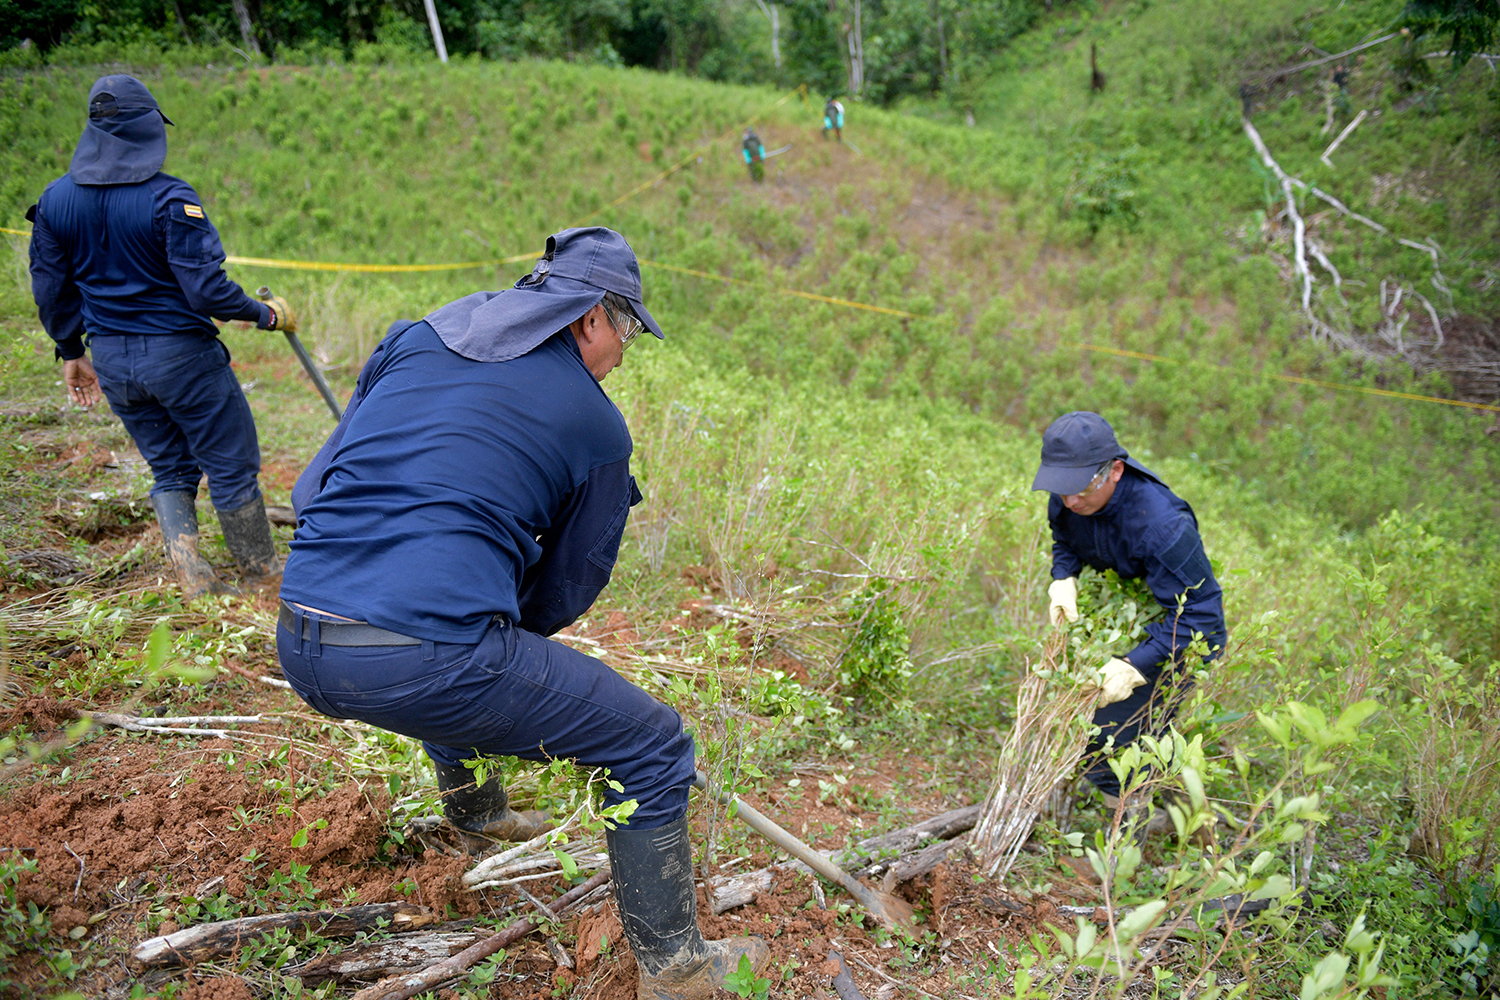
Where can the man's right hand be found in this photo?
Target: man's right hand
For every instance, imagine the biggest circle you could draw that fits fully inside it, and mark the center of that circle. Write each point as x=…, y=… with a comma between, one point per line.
x=82, y=383
x=282, y=317
x=1062, y=601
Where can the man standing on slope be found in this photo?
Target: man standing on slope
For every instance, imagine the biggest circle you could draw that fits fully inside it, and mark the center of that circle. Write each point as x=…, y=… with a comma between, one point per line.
x=469, y=504
x=125, y=260
x=833, y=118
x=1111, y=512
x=755, y=154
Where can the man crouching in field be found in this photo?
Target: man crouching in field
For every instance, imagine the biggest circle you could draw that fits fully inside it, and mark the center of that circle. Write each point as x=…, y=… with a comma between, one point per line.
x=470, y=503
x=1111, y=512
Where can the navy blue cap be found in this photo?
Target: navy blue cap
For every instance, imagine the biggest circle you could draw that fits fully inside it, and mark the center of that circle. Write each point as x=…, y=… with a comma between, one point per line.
x=1073, y=449
x=599, y=257
x=124, y=140
x=577, y=268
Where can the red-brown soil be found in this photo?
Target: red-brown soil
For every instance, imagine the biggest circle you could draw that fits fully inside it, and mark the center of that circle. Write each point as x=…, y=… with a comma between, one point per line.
x=138, y=824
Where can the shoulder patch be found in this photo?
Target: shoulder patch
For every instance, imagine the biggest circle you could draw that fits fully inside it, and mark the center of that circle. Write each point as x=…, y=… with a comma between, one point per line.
x=193, y=211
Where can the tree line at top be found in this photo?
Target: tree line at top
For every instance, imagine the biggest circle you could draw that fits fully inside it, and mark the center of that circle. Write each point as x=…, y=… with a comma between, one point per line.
x=874, y=50
x=870, y=50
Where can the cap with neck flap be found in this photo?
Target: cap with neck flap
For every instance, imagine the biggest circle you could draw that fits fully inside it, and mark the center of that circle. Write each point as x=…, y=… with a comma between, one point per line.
x=576, y=269
x=125, y=140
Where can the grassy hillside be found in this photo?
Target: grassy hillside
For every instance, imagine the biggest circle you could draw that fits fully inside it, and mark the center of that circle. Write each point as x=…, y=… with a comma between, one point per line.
x=980, y=231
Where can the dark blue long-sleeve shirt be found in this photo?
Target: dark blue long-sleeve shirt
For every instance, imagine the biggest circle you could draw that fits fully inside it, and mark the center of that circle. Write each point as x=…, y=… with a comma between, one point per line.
x=454, y=490
x=1146, y=532
x=137, y=258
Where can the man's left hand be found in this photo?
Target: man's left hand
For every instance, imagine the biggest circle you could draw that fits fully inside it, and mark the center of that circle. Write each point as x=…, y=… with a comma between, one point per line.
x=1118, y=679
x=282, y=317
x=82, y=383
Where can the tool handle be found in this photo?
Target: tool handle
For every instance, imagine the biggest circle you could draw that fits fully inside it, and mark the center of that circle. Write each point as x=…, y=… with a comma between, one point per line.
x=768, y=828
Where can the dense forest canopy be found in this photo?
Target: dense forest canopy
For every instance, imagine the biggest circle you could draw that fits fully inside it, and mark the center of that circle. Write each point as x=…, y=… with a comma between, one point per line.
x=881, y=49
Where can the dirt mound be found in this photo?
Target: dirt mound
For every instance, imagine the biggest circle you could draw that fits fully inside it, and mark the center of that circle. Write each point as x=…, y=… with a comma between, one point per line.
x=134, y=818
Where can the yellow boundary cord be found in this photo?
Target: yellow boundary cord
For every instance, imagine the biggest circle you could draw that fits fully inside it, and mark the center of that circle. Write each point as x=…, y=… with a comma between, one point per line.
x=1299, y=380
x=813, y=296
x=326, y=265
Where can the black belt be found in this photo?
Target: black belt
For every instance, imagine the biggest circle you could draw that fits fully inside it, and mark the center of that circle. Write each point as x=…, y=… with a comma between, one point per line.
x=337, y=633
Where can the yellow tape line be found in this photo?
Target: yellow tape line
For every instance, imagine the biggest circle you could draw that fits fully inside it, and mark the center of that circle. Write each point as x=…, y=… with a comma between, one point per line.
x=848, y=303
x=325, y=265
x=16, y=232
x=1299, y=380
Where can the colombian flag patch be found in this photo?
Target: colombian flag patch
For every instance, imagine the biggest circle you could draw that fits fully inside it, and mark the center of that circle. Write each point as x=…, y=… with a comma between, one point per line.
x=192, y=211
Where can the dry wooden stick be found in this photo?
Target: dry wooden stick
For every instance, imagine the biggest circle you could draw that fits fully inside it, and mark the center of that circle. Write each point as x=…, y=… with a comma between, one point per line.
x=1348, y=129
x=404, y=987
x=194, y=944
x=181, y=725
x=377, y=959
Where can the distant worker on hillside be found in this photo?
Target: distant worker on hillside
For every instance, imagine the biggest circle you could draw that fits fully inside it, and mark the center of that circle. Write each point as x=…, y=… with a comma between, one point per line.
x=1110, y=512
x=755, y=155
x=125, y=260
x=469, y=504
x=833, y=118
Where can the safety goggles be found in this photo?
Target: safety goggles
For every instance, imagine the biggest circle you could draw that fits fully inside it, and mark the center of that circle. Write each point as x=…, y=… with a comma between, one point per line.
x=1097, y=483
x=623, y=318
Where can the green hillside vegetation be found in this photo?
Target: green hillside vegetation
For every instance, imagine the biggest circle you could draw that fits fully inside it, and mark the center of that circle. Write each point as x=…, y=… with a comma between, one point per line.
x=826, y=463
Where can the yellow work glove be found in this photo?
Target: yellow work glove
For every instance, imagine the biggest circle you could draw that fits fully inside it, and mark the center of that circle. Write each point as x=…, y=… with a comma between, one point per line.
x=1117, y=679
x=282, y=317
x=1062, y=600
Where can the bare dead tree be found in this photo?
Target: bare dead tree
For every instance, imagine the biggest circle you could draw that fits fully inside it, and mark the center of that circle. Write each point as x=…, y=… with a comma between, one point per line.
x=773, y=14
x=247, y=26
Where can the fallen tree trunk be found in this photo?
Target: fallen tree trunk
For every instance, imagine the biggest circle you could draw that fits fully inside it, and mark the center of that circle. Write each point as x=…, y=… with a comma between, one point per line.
x=378, y=959
x=403, y=987
x=194, y=944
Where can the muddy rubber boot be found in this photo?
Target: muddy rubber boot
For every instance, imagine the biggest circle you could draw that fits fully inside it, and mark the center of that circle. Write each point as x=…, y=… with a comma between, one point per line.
x=247, y=534
x=653, y=875
x=178, y=516
x=484, y=810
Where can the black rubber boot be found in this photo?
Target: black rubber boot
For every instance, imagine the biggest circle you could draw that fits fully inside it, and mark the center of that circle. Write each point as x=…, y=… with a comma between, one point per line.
x=247, y=533
x=485, y=810
x=178, y=516
x=653, y=875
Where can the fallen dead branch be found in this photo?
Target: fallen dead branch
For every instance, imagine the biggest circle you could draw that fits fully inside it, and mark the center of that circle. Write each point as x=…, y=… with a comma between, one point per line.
x=1303, y=245
x=1288, y=70
x=869, y=856
x=404, y=987
x=1299, y=229
x=491, y=871
x=1348, y=130
x=181, y=725
x=203, y=941
x=379, y=959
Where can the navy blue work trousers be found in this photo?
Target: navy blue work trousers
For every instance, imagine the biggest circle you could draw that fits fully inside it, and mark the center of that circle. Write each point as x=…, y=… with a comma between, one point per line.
x=1149, y=709
x=185, y=410
x=513, y=693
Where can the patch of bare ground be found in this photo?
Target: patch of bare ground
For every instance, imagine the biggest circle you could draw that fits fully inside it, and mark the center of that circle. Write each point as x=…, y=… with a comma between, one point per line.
x=137, y=824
